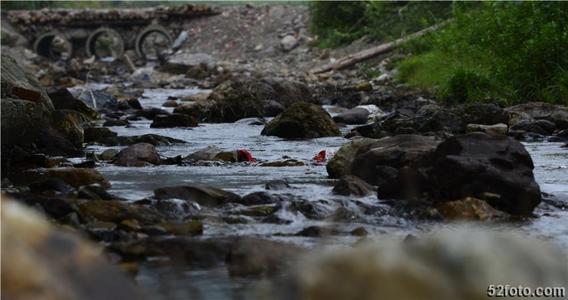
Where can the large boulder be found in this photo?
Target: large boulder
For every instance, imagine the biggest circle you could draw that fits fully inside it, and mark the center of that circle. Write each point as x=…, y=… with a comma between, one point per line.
x=40, y=261
x=376, y=161
x=302, y=120
x=27, y=115
x=496, y=169
x=386, y=156
x=340, y=164
x=477, y=164
x=245, y=98
x=204, y=195
x=138, y=155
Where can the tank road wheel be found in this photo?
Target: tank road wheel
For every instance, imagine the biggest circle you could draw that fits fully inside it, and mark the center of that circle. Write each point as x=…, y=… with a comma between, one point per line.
x=105, y=43
x=54, y=45
x=152, y=41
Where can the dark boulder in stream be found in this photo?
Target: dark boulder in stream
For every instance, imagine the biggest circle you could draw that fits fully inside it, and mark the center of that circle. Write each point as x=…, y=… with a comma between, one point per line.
x=27, y=115
x=376, y=161
x=244, y=98
x=203, y=195
x=100, y=135
x=300, y=121
x=496, y=169
x=173, y=120
x=138, y=155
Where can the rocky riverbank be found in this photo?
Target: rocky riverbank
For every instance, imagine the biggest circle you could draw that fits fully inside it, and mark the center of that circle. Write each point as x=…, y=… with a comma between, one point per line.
x=204, y=164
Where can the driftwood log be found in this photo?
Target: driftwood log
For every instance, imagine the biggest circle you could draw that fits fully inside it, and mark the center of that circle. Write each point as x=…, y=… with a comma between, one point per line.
x=360, y=56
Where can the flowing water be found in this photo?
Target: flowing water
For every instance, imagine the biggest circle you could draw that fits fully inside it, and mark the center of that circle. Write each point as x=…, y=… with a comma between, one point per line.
x=309, y=181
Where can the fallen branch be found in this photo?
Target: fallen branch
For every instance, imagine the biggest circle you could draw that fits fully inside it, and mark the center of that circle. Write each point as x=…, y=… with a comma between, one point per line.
x=353, y=59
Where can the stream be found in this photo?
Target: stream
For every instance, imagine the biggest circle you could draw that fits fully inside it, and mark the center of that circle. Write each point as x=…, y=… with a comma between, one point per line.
x=309, y=182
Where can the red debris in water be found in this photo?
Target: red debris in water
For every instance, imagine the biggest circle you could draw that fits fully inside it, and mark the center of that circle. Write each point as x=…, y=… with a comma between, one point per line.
x=245, y=155
x=320, y=157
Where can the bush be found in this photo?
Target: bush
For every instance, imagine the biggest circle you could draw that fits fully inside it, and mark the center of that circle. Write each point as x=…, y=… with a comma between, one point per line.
x=339, y=23
x=519, y=47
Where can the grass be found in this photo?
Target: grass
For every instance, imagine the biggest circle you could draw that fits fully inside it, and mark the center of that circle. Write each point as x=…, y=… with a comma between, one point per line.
x=507, y=52
x=510, y=52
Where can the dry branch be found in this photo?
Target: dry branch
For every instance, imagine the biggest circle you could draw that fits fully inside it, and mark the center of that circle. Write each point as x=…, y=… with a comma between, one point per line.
x=353, y=59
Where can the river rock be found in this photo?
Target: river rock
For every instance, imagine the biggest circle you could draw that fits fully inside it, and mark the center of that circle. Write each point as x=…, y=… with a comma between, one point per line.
x=170, y=103
x=151, y=113
x=496, y=169
x=317, y=231
x=114, y=122
x=26, y=117
x=33, y=266
x=340, y=164
x=262, y=197
x=283, y=163
x=277, y=185
x=173, y=120
x=260, y=257
x=355, y=115
x=118, y=211
x=138, y=155
x=108, y=154
x=51, y=185
x=207, y=153
x=245, y=98
x=153, y=139
x=438, y=119
x=100, y=135
x=557, y=114
x=497, y=129
x=96, y=99
x=302, y=120
x=75, y=177
x=188, y=63
x=469, y=209
x=68, y=123
x=289, y=42
x=203, y=195
x=392, y=152
x=193, y=227
x=433, y=265
x=476, y=163
x=63, y=99
x=94, y=192
x=527, y=127
x=352, y=185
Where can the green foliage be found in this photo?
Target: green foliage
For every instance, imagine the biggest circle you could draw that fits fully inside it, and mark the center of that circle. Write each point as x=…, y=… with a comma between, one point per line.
x=514, y=51
x=391, y=20
x=339, y=23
